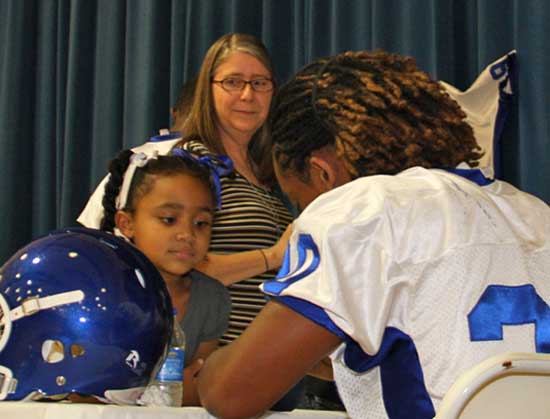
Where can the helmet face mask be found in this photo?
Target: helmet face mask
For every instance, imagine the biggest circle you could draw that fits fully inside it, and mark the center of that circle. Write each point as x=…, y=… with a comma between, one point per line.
x=81, y=311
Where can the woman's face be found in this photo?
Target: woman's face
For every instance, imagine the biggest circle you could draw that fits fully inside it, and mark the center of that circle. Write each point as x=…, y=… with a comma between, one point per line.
x=240, y=114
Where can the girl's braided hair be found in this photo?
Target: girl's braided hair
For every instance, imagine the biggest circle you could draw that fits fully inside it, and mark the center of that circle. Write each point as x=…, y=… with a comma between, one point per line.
x=381, y=113
x=143, y=181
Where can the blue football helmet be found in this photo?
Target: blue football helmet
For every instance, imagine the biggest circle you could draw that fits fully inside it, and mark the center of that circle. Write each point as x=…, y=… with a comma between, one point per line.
x=81, y=311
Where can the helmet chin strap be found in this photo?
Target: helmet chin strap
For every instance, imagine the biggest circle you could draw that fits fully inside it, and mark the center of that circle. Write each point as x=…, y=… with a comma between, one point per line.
x=28, y=307
x=33, y=305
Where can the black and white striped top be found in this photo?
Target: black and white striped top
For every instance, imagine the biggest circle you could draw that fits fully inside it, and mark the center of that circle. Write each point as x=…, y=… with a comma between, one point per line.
x=250, y=218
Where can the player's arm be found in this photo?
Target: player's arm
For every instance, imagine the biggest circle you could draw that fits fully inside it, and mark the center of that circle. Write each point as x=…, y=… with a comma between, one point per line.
x=248, y=376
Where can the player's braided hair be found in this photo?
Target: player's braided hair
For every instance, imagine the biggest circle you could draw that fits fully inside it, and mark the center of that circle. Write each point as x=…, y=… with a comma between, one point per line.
x=143, y=181
x=381, y=113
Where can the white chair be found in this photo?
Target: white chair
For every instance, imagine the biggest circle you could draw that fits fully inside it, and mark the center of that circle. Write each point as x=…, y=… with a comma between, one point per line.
x=506, y=386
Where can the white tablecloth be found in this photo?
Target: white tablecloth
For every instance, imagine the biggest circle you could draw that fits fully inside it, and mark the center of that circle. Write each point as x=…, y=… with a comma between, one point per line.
x=52, y=410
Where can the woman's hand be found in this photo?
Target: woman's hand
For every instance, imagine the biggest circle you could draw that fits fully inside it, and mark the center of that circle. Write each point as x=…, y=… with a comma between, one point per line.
x=276, y=253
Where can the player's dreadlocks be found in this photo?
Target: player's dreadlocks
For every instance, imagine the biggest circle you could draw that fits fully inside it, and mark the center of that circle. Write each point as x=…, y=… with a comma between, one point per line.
x=382, y=114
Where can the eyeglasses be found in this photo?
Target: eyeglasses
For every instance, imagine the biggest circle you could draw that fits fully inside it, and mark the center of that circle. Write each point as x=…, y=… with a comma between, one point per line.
x=232, y=85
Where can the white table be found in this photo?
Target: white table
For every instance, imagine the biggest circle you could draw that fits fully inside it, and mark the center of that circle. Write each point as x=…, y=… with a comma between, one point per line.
x=52, y=410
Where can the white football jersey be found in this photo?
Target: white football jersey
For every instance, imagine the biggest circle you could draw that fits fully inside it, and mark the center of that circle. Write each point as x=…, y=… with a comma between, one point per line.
x=423, y=275
x=486, y=104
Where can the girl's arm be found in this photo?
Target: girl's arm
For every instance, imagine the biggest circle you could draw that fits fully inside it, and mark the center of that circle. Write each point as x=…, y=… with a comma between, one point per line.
x=190, y=394
x=235, y=267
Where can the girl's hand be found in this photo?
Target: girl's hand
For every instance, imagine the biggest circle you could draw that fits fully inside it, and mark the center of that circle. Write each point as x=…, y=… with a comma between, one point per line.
x=190, y=373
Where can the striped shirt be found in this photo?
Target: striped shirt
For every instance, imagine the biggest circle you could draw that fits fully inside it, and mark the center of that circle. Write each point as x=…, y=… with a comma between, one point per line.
x=250, y=218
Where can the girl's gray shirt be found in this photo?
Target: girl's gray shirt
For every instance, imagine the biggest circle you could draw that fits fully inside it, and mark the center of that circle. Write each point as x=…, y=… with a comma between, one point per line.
x=207, y=315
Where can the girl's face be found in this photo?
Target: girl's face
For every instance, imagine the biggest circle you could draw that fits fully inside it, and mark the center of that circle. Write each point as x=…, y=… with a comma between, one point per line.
x=171, y=224
x=240, y=114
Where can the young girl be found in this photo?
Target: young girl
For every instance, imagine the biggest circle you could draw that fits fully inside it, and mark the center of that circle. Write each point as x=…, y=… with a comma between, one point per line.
x=164, y=205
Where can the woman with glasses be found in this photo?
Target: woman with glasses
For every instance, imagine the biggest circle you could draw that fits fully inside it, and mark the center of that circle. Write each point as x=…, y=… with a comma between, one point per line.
x=228, y=116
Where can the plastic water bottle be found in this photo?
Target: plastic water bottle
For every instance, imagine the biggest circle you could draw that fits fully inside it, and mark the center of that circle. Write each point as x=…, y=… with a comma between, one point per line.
x=166, y=389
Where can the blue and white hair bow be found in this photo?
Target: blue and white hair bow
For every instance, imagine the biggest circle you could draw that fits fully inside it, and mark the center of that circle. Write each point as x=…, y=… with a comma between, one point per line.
x=136, y=160
x=218, y=165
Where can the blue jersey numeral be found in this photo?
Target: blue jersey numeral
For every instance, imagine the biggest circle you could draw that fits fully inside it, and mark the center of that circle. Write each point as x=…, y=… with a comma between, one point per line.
x=305, y=266
x=503, y=305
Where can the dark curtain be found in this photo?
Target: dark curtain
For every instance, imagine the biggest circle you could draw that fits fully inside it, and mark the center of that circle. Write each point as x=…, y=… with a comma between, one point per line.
x=82, y=79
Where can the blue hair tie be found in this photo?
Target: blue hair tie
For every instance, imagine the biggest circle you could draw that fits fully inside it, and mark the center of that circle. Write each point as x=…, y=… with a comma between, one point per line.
x=217, y=164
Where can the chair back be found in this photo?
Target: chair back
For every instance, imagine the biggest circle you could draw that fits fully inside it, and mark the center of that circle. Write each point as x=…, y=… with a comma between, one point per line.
x=510, y=385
